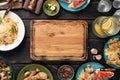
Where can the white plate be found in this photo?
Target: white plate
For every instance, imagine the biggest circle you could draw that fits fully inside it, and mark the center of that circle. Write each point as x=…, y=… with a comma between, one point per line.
x=21, y=31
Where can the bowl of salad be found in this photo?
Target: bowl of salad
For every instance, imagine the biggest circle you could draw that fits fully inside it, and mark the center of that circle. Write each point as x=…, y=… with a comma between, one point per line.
x=5, y=70
x=51, y=7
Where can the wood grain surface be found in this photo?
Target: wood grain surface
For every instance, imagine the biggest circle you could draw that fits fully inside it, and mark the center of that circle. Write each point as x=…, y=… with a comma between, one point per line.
x=16, y=5
x=58, y=39
x=20, y=56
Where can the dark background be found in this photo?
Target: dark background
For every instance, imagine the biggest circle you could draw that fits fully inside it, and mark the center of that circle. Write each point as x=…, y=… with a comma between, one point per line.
x=20, y=56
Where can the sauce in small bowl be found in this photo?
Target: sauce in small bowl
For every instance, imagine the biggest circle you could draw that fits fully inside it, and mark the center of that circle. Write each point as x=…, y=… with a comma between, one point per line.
x=65, y=72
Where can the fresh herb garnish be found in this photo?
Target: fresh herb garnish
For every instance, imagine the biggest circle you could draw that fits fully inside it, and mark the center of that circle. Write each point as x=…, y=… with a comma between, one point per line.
x=118, y=55
x=1, y=19
x=13, y=29
x=118, y=46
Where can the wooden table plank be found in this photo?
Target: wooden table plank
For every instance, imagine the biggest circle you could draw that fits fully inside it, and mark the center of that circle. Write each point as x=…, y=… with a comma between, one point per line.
x=22, y=53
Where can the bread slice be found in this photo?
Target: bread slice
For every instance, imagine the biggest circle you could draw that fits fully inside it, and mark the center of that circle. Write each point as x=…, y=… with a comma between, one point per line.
x=76, y=3
x=67, y=1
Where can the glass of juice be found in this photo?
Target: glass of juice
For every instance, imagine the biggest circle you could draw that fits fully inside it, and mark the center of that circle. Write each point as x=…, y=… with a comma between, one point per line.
x=105, y=26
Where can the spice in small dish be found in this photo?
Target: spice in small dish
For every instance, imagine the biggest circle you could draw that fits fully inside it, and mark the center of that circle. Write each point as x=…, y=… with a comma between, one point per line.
x=66, y=72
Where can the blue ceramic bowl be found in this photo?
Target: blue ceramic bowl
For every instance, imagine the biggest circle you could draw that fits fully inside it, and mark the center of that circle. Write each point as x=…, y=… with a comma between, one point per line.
x=65, y=6
x=105, y=56
x=94, y=65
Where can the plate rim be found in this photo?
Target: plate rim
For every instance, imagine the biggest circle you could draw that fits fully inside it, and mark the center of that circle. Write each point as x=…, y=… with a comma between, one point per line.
x=34, y=65
x=87, y=3
x=23, y=32
x=104, y=53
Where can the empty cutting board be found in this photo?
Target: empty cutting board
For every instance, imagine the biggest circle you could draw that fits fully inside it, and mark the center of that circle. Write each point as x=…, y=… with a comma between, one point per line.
x=58, y=40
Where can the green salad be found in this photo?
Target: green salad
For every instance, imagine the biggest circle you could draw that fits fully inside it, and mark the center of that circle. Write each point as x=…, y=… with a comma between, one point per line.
x=5, y=71
x=51, y=7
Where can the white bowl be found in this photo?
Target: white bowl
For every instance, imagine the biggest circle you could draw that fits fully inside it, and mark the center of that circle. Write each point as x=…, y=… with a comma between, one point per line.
x=21, y=31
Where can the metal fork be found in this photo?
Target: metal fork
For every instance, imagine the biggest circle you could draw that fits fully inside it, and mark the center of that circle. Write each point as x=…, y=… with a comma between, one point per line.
x=10, y=4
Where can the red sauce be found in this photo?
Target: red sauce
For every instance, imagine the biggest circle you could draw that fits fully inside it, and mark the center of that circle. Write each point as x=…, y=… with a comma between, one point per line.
x=66, y=72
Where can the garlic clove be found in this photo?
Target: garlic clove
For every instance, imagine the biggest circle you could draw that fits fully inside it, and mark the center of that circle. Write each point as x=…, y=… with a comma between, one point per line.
x=94, y=51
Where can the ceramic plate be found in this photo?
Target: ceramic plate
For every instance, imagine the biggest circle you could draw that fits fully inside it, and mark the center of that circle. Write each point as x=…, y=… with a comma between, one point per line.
x=94, y=65
x=32, y=67
x=65, y=6
x=21, y=31
x=105, y=56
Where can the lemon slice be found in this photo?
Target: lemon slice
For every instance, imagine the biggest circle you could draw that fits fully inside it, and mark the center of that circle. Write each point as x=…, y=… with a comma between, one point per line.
x=107, y=25
x=98, y=30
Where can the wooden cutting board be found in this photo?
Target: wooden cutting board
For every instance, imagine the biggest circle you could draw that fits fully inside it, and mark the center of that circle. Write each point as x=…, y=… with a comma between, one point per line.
x=58, y=40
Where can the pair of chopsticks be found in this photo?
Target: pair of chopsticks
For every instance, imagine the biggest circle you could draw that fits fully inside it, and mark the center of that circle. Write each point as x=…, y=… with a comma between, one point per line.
x=10, y=4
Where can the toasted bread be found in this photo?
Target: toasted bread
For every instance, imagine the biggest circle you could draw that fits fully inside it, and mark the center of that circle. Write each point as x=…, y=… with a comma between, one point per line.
x=67, y=1
x=74, y=5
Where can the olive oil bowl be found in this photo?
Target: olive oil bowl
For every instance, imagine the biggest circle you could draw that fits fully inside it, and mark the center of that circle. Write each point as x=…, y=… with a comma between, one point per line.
x=51, y=7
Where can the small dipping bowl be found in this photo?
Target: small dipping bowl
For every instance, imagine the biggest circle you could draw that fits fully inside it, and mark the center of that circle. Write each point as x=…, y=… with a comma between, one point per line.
x=51, y=7
x=65, y=72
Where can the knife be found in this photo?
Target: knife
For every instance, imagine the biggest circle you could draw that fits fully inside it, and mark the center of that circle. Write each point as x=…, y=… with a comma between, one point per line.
x=106, y=69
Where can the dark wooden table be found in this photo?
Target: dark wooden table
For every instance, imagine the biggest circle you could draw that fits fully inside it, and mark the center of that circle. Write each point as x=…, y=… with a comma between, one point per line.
x=20, y=56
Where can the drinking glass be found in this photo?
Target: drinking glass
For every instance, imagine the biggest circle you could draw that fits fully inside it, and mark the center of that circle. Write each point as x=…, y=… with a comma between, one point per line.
x=117, y=14
x=104, y=6
x=116, y=4
x=105, y=26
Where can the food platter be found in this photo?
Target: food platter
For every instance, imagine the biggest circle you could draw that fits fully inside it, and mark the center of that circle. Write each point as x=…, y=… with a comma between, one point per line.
x=106, y=56
x=21, y=31
x=32, y=67
x=94, y=65
x=66, y=7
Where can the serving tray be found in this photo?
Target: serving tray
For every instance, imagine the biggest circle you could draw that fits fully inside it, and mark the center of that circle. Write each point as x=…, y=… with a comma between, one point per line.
x=16, y=5
x=58, y=40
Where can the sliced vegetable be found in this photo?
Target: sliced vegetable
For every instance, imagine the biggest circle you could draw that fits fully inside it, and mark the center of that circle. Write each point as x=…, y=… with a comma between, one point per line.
x=1, y=19
x=13, y=29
